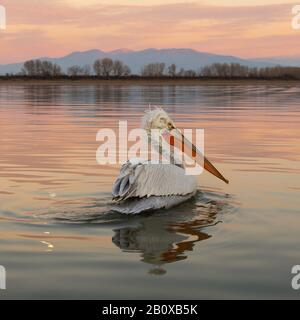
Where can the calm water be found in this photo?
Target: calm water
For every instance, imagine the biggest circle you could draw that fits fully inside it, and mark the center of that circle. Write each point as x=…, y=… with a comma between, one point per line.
x=59, y=240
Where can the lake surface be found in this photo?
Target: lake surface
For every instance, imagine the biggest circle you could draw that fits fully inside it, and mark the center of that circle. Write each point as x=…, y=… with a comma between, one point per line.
x=58, y=238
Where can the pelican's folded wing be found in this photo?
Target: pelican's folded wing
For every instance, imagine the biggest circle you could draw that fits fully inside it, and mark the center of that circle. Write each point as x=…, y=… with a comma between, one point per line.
x=146, y=179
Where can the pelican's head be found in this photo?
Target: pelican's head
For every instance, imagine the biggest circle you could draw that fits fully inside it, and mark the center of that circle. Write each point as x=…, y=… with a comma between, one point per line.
x=157, y=119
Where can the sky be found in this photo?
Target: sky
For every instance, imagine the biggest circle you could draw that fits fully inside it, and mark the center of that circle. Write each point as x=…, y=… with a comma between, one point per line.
x=53, y=28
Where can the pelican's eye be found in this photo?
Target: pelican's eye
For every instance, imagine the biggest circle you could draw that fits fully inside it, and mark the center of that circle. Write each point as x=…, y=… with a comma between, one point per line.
x=170, y=125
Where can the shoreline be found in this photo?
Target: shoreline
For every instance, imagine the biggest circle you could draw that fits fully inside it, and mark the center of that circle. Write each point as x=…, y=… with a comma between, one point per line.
x=152, y=81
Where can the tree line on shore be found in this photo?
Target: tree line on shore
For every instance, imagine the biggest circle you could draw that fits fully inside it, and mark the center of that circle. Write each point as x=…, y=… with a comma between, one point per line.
x=108, y=68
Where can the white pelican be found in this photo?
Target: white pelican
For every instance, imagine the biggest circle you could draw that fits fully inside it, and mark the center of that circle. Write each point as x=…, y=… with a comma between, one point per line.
x=143, y=185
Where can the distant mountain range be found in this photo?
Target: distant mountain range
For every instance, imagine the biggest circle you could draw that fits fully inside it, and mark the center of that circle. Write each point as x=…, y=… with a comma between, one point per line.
x=292, y=61
x=183, y=58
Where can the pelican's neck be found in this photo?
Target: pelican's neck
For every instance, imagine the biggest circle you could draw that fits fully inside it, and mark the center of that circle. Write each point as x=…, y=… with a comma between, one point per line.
x=161, y=147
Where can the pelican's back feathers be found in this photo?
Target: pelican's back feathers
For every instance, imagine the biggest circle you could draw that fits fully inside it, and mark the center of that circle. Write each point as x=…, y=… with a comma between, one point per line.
x=144, y=179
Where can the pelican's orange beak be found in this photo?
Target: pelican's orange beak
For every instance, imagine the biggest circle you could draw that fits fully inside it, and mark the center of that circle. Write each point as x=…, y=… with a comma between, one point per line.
x=178, y=139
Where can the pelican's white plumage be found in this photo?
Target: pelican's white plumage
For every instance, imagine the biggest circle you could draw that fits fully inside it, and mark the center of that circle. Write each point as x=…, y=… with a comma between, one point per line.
x=142, y=185
x=145, y=179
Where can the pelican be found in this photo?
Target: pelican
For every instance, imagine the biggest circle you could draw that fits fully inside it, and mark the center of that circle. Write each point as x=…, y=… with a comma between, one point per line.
x=145, y=186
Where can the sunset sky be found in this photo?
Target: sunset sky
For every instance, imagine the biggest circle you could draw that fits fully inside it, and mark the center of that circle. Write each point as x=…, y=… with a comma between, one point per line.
x=257, y=28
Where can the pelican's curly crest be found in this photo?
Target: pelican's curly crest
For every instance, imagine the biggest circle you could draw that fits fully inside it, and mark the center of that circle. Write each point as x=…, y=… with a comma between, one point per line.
x=156, y=118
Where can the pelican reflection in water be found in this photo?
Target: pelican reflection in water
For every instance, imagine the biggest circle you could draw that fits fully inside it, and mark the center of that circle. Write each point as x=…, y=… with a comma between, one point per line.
x=143, y=185
x=167, y=237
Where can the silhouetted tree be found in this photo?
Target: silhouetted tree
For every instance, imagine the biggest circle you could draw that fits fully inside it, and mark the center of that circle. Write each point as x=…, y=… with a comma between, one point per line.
x=172, y=70
x=79, y=71
x=86, y=70
x=190, y=73
x=41, y=68
x=103, y=67
x=126, y=71
x=153, y=70
x=98, y=67
x=107, y=66
x=74, y=71
x=120, y=69
x=236, y=70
